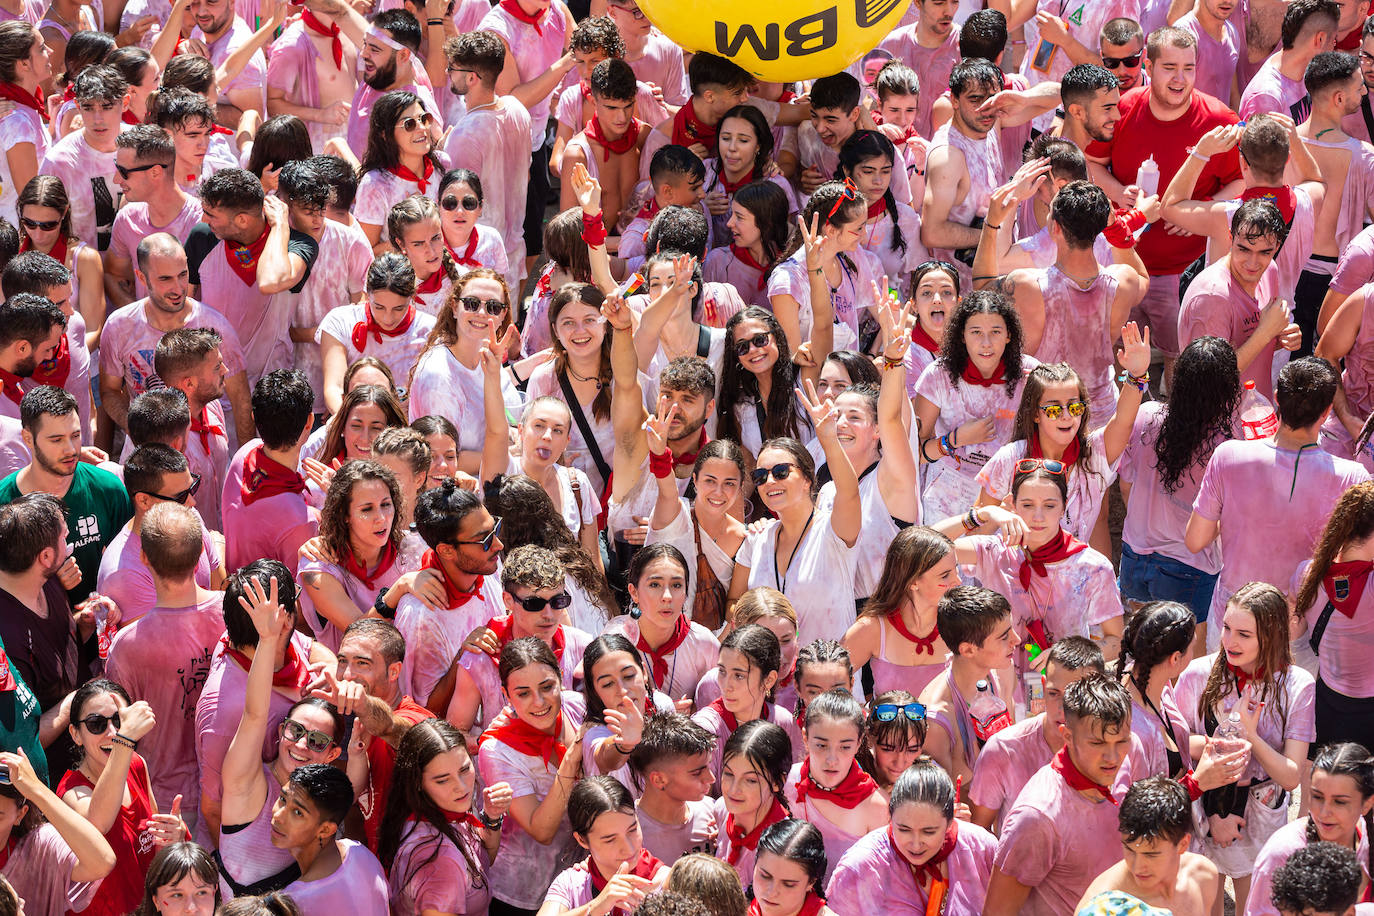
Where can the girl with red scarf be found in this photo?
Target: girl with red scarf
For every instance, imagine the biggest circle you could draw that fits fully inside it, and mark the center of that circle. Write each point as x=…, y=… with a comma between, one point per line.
x=892, y=230
x=535, y=745
x=618, y=872
x=365, y=411
x=399, y=161
x=1254, y=676
x=966, y=399
x=769, y=608
x=416, y=231
x=1052, y=422
x=750, y=658
x=755, y=234
x=437, y=841
x=924, y=861
x=743, y=154
x=753, y=774
x=789, y=873
x=829, y=788
x=45, y=224
x=470, y=244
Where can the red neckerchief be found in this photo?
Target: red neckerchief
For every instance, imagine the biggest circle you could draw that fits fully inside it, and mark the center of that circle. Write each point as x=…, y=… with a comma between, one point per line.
x=243, y=259
x=849, y=794
x=974, y=377
x=12, y=842
x=922, y=643
x=128, y=117
x=689, y=129
x=332, y=30
x=456, y=597
x=1281, y=197
x=645, y=866
x=369, y=327
x=810, y=906
x=729, y=718
x=10, y=384
x=435, y=280
x=626, y=142
x=659, y=656
x=518, y=735
x=929, y=869
x=264, y=477
x=55, y=371
x=457, y=820
x=221, y=130
x=1070, y=459
x=740, y=841
x=877, y=208
x=744, y=256
x=545, y=285
x=1242, y=679
x=359, y=571
x=513, y=7
x=1344, y=584
x=691, y=457
x=406, y=174
x=1350, y=41
x=7, y=682
x=32, y=100
x=585, y=87
x=907, y=132
x=58, y=252
x=1065, y=767
x=921, y=338
x=649, y=210
x=294, y=674
x=206, y=427
x=732, y=186
x=466, y=259
x=503, y=628
x=69, y=94
x=1060, y=547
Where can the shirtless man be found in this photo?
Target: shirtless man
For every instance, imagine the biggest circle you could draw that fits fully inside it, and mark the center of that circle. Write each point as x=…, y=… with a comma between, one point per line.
x=1156, y=820
x=610, y=144
x=317, y=45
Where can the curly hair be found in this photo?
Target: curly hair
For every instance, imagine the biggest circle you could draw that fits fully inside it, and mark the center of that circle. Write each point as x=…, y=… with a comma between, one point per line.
x=954, y=351
x=1351, y=521
x=338, y=502
x=1202, y=408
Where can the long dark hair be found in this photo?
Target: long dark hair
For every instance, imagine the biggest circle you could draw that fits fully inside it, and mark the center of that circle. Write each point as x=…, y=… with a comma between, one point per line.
x=382, y=398
x=768, y=204
x=1203, y=402
x=763, y=136
x=738, y=384
x=861, y=146
x=1155, y=632
x=338, y=501
x=596, y=650
x=954, y=351
x=829, y=208
x=1353, y=760
x=381, y=153
x=586, y=294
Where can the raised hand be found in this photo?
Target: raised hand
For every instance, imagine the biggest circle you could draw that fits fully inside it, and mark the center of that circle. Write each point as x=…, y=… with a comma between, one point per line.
x=491, y=366
x=319, y=473
x=586, y=189
x=617, y=313
x=165, y=829
x=1134, y=354
x=626, y=722
x=264, y=608
x=348, y=697
x=136, y=720
x=656, y=427
x=820, y=249
x=822, y=411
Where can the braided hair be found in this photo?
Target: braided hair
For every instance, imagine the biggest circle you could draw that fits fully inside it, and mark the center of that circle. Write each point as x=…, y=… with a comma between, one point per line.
x=1155, y=633
x=862, y=146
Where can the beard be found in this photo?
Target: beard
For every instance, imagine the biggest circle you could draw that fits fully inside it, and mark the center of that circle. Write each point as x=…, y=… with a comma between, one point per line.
x=49, y=465
x=28, y=367
x=382, y=78
x=690, y=429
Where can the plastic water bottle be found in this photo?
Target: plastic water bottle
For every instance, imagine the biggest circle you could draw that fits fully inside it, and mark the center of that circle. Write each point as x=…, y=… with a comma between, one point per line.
x=104, y=627
x=1147, y=177
x=1257, y=417
x=1230, y=735
x=989, y=712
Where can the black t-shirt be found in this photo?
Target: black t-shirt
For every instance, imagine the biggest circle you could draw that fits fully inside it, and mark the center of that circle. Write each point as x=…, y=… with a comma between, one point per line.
x=201, y=241
x=42, y=649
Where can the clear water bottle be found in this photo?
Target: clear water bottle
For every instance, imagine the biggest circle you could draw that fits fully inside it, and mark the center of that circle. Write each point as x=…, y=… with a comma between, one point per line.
x=1257, y=417
x=989, y=712
x=1147, y=177
x=1230, y=735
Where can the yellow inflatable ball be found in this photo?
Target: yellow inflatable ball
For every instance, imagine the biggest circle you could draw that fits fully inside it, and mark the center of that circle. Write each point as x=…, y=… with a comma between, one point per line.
x=779, y=40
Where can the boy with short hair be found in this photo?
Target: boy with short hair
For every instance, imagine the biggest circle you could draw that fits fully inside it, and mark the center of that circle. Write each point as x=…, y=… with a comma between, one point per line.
x=676, y=176
x=671, y=762
x=609, y=143
x=85, y=158
x=1321, y=879
x=190, y=120
x=1156, y=826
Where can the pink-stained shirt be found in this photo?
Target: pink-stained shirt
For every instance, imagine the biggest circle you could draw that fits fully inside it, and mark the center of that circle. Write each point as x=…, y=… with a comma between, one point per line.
x=360, y=112
x=893, y=676
x=854, y=294
x=358, y=886
x=983, y=165
x=246, y=850
x=443, y=386
x=897, y=263
x=699, y=653
x=872, y=876
x=14, y=455
x=435, y=638
x=254, y=75
x=875, y=534
x=662, y=64
x=819, y=581
x=78, y=383
x=1357, y=380
x=670, y=842
x=379, y=191
x=1088, y=480
x=291, y=68
x=358, y=592
x=1155, y=518
x=494, y=143
x=338, y=276
x=1216, y=60
x=482, y=668
x=132, y=226
x=544, y=383
x=1042, y=250
x=535, y=52
x=1077, y=331
x=79, y=165
x=164, y=658
x=490, y=252
x=1347, y=645
x=1085, y=20
x=721, y=266
x=1297, y=246
x=1271, y=91
x=210, y=462
x=273, y=527
x=1356, y=266
x=720, y=232
x=813, y=153
x=932, y=65
x=836, y=838
x=22, y=125
x=399, y=353
x=40, y=871
x=1006, y=763
x=129, y=341
x=125, y=579
x=1270, y=515
x=1276, y=852
x=430, y=873
x=1218, y=306
x=568, y=108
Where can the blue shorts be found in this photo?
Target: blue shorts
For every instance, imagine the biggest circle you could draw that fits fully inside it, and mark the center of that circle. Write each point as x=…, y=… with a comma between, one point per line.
x=1155, y=577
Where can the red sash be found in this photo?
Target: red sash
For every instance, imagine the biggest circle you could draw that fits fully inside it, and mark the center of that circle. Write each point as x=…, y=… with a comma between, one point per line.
x=645, y=866
x=922, y=643
x=519, y=15
x=406, y=174
x=466, y=258
x=206, y=428
x=744, y=256
x=1281, y=197
x=1033, y=450
x=503, y=628
x=974, y=377
x=810, y=907
x=921, y=338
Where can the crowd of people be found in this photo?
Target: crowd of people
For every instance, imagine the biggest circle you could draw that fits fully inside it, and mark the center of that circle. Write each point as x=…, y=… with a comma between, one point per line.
x=461, y=458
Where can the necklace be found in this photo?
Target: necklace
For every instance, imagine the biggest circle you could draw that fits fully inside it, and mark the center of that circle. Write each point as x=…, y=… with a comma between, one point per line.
x=583, y=378
x=491, y=104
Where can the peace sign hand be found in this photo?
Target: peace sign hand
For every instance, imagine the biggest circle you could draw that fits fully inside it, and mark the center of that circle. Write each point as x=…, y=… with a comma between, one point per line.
x=656, y=427
x=820, y=248
x=822, y=411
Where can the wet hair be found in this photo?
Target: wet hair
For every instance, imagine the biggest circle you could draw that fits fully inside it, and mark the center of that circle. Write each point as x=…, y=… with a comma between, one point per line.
x=837, y=705
x=1122, y=30
x=1202, y=411
x=760, y=646
x=668, y=735
x=708, y=71
x=1258, y=219
x=279, y=141
x=954, y=350
x=9, y=241
x=30, y=317
x=382, y=151
x=583, y=294
x=1098, y=697
x=594, y=796
x=1310, y=16
x=768, y=750
x=614, y=79
x=984, y=34
x=597, y=34
x=1317, y=878
x=329, y=789
x=1155, y=808
x=862, y=146
x=29, y=525
x=33, y=272
x=238, y=626
x=99, y=83
x=596, y=650
x=1329, y=70
x=1083, y=81
x=896, y=78
x=840, y=92
x=1081, y=210
x=969, y=614
x=1155, y=632
x=1343, y=759
x=440, y=510
x=1305, y=390
x=173, y=863
x=672, y=162
x=179, y=108
x=913, y=553
x=1269, y=606
x=341, y=178
x=189, y=73
x=974, y=73
x=377, y=396
x=739, y=386
x=235, y=190
x=763, y=138
x=679, y=230
x=1264, y=147
x=710, y=885
x=797, y=841
x=1039, y=379
x=481, y=51
x=338, y=504
x=283, y=403
x=1074, y=653
x=86, y=48
x=924, y=783
x=1351, y=521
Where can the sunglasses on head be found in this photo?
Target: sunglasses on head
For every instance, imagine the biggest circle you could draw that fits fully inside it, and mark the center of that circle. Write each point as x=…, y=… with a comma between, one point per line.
x=1048, y=465
x=1055, y=411
x=183, y=495
x=125, y=173
x=47, y=225
x=412, y=123
x=534, y=604
x=474, y=304
x=850, y=193
x=778, y=471
x=95, y=724
x=1111, y=63
x=293, y=731
x=452, y=202
x=888, y=712
x=758, y=341
x=487, y=539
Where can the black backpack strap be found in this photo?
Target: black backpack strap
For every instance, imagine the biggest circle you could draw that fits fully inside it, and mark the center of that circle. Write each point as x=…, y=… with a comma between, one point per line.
x=1319, y=628
x=703, y=342
x=580, y=418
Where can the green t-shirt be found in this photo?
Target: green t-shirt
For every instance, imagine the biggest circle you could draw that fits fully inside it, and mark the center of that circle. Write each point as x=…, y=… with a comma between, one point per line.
x=97, y=506
x=19, y=720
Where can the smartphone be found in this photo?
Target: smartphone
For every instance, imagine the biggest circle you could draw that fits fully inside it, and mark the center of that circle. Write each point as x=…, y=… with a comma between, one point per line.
x=1044, y=53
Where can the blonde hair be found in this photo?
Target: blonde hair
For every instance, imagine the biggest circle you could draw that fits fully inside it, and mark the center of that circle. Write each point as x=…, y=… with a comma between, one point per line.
x=711, y=882
x=761, y=602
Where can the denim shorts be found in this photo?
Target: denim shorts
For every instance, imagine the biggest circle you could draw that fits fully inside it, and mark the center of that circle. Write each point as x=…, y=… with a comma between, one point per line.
x=1155, y=577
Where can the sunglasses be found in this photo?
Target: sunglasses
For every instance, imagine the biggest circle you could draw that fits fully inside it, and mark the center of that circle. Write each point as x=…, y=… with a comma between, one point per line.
x=758, y=341
x=1111, y=63
x=183, y=495
x=1048, y=465
x=451, y=202
x=293, y=731
x=1055, y=411
x=486, y=542
x=125, y=173
x=534, y=604
x=473, y=304
x=95, y=724
x=887, y=712
x=412, y=123
x=850, y=193
x=779, y=472
x=41, y=225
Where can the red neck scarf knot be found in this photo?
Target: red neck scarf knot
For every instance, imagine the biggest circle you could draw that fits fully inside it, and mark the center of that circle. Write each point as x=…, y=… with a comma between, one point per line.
x=1063, y=765
x=852, y=791
x=519, y=15
x=369, y=327
x=264, y=477
x=740, y=840
x=456, y=596
x=332, y=31
x=1060, y=547
x=974, y=377
x=659, y=656
x=922, y=643
x=1344, y=584
x=620, y=146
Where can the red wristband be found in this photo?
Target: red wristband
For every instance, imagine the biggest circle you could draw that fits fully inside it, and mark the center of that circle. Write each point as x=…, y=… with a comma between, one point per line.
x=1120, y=233
x=1189, y=782
x=593, y=230
x=661, y=466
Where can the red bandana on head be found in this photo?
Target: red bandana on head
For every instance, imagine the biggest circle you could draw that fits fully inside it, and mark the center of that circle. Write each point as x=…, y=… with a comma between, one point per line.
x=519, y=15
x=744, y=256
x=740, y=841
x=643, y=866
x=295, y=674
x=456, y=597
x=626, y=142
x=369, y=327
x=922, y=643
x=359, y=571
x=518, y=735
x=243, y=259
x=810, y=906
x=55, y=371
x=1064, y=766
x=420, y=181
x=466, y=259
x=1344, y=584
x=332, y=31
x=206, y=428
x=503, y=628
x=852, y=791
x=974, y=377
x=264, y=477
x=689, y=129
x=659, y=656
x=928, y=871
x=28, y=99
x=1060, y=547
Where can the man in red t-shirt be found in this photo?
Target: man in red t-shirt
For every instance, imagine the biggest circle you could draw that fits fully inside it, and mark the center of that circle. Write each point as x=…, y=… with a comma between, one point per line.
x=1162, y=121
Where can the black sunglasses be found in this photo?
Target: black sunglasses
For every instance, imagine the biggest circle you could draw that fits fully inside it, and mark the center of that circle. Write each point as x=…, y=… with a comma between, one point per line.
x=47, y=225
x=125, y=173
x=1111, y=63
x=486, y=542
x=410, y=124
x=779, y=471
x=746, y=344
x=887, y=712
x=451, y=202
x=183, y=495
x=95, y=724
x=474, y=304
x=292, y=731
x=534, y=604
